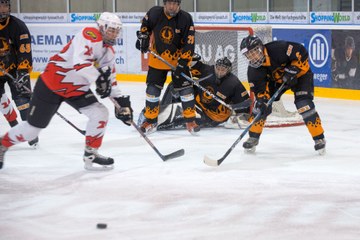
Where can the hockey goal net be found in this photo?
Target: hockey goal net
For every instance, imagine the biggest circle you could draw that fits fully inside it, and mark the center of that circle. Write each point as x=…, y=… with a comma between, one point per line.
x=216, y=41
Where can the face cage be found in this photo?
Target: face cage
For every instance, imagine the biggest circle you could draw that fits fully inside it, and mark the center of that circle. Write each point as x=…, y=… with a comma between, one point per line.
x=106, y=40
x=255, y=56
x=4, y=16
x=223, y=73
x=172, y=13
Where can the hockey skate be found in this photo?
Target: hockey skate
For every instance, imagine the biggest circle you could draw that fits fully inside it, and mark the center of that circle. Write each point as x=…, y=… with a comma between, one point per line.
x=320, y=146
x=96, y=162
x=34, y=143
x=2, y=153
x=250, y=144
x=148, y=128
x=192, y=127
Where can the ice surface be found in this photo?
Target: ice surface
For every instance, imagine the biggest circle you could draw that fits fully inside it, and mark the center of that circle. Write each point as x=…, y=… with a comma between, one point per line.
x=284, y=191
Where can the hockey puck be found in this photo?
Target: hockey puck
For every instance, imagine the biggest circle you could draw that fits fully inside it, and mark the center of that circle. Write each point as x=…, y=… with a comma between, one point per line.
x=101, y=225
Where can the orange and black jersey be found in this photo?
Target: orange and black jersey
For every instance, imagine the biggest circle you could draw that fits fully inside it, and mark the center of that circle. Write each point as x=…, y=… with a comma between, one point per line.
x=15, y=45
x=278, y=55
x=230, y=90
x=172, y=37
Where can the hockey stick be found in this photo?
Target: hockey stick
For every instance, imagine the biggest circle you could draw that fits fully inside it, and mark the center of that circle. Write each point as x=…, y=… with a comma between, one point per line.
x=214, y=163
x=29, y=90
x=83, y=132
x=172, y=155
x=196, y=83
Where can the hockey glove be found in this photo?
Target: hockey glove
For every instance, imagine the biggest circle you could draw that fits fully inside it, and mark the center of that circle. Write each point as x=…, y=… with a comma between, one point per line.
x=22, y=82
x=289, y=77
x=143, y=41
x=260, y=105
x=125, y=113
x=103, y=82
x=181, y=67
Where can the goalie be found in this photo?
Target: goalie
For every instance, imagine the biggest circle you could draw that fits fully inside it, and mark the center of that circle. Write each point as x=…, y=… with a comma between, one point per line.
x=209, y=112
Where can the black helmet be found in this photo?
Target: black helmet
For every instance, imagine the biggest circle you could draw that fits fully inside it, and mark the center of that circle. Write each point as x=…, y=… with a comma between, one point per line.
x=5, y=15
x=177, y=1
x=253, y=49
x=224, y=63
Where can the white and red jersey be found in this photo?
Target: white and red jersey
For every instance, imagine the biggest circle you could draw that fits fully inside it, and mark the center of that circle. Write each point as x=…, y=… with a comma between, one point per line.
x=71, y=72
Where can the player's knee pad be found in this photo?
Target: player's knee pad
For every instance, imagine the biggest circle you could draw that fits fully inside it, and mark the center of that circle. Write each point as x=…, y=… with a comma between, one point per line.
x=96, y=112
x=187, y=94
x=152, y=93
x=305, y=108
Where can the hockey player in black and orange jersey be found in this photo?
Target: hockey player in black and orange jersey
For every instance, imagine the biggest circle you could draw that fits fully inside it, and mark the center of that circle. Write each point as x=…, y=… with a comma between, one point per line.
x=269, y=66
x=172, y=34
x=16, y=60
x=210, y=112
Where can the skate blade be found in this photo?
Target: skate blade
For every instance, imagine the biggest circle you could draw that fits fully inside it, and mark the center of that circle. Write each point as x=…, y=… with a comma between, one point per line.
x=96, y=167
x=322, y=151
x=250, y=150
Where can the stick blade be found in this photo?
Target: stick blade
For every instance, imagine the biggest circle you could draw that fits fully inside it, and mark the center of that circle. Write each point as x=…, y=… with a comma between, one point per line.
x=211, y=162
x=176, y=154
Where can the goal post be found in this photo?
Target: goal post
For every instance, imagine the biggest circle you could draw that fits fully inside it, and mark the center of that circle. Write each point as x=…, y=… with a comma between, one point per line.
x=216, y=41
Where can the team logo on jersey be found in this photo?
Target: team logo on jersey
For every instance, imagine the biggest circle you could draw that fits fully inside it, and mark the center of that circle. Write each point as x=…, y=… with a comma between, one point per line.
x=167, y=35
x=318, y=50
x=206, y=98
x=91, y=34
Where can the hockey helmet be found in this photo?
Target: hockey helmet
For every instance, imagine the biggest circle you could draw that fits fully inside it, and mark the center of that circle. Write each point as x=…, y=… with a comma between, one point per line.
x=253, y=49
x=4, y=15
x=110, y=26
x=177, y=1
x=223, y=67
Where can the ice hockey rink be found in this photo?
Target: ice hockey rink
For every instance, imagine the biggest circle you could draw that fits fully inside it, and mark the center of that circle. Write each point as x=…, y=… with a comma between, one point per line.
x=284, y=191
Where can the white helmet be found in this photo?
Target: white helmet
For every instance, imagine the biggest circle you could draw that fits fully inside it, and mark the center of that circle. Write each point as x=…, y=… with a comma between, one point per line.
x=110, y=26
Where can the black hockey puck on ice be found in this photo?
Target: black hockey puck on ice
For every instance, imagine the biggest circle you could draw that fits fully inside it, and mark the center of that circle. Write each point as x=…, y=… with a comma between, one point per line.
x=101, y=225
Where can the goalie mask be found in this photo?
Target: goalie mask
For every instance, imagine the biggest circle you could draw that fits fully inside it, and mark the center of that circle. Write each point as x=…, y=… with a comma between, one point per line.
x=110, y=26
x=5, y=9
x=253, y=49
x=172, y=7
x=223, y=67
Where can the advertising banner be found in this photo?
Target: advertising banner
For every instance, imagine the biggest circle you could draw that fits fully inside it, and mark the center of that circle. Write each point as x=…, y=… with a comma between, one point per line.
x=318, y=44
x=289, y=17
x=49, y=39
x=356, y=18
x=249, y=17
x=44, y=17
x=331, y=18
x=212, y=17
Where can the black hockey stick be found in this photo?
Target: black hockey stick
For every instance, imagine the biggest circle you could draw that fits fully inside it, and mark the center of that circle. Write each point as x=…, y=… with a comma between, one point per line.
x=83, y=132
x=29, y=90
x=175, y=154
x=195, y=82
x=215, y=163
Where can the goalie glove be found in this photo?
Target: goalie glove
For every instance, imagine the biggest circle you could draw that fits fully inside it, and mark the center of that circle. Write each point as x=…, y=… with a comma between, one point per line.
x=289, y=77
x=125, y=113
x=22, y=82
x=143, y=41
x=103, y=82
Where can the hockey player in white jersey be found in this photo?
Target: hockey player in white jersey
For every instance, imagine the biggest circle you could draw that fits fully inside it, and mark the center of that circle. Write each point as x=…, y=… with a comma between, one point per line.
x=89, y=57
